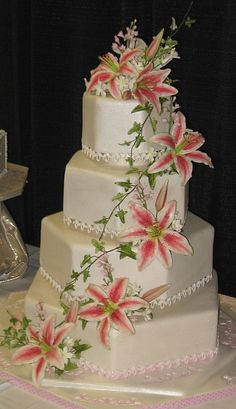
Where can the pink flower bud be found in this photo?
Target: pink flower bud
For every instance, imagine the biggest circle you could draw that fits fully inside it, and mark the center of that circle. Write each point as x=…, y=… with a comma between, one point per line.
x=154, y=293
x=161, y=197
x=153, y=47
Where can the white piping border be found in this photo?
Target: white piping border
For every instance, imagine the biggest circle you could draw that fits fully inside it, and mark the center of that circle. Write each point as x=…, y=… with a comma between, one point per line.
x=118, y=158
x=160, y=303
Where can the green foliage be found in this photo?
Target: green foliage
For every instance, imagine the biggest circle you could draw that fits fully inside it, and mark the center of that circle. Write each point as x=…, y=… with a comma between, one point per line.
x=126, y=184
x=125, y=250
x=121, y=215
x=99, y=245
x=15, y=335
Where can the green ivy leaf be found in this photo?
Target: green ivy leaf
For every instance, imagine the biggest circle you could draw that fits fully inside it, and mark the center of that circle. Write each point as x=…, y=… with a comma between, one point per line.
x=125, y=250
x=79, y=348
x=86, y=274
x=151, y=179
x=103, y=220
x=153, y=124
x=99, y=245
x=75, y=275
x=138, y=140
x=136, y=128
x=125, y=184
x=125, y=143
x=121, y=215
x=189, y=22
x=69, y=287
x=138, y=108
x=86, y=260
x=118, y=197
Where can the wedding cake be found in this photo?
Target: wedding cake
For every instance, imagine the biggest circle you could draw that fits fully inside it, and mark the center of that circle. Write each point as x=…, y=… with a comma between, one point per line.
x=125, y=267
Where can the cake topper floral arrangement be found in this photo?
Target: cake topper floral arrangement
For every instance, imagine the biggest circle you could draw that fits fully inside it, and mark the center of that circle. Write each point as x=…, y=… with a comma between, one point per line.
x=133, y=71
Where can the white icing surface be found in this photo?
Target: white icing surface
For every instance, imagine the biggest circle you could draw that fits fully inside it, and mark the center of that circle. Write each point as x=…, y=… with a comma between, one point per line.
x=63, y=249
x=90, y=186
x=106, y=122
x=186, y=328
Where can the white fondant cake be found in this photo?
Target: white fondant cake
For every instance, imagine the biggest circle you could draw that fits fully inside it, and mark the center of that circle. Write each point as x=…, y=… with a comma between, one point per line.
x=86, y=176
x=62, y=250
x=125, y=256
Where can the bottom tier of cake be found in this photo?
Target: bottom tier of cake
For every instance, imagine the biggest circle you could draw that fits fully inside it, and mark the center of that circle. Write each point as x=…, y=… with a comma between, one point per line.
x=185, y=331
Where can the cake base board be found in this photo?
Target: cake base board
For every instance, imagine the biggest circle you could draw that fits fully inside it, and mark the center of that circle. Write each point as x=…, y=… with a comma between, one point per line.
x=211, y=381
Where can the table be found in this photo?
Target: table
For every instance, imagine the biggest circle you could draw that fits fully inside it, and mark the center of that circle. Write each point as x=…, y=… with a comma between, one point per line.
x=19, y=392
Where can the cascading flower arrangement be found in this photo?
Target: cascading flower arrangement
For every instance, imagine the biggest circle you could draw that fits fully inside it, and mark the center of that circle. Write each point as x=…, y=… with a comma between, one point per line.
x=134, y=70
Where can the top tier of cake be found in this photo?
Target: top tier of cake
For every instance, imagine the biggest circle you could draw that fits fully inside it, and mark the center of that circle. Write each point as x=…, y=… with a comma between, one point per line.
x=3, y=151
x=106, y=125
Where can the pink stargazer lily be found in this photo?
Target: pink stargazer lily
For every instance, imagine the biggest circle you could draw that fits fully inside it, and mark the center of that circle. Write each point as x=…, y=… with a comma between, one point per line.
x=110, y=68
x=150, y=87
x=110, y=308
x=157, y=237
x=43, y=349
x=182, y=150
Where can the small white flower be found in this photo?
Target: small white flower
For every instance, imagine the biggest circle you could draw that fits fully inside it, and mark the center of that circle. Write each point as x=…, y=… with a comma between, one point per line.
x=66, y=354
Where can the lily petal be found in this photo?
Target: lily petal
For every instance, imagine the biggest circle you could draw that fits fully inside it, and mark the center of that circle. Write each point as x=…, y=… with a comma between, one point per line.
x=200, y=157
x=55, y=358
x=141, y=215
x=62, y=331
x=72, y=314
x=163, y=139
x=163, y=163
x=179, y=127
x=92, y=312
x=133, y=303
x=48, y=330
x=177, y=242
x=120, y=319
x=146, y=253
x=32, y=332
x=129, y=54
x=102, y=76
x=38, y=371
x=132, y=234
x=184, y=167
x=114, y=89
x=164, y=254
x=104, y=328
x=117, y=289
x=96, y=293
x=27, y=354
x=167, y=214
x=195, y=141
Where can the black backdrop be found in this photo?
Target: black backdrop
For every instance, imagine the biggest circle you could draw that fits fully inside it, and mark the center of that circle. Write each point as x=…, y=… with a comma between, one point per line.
x=47, y=48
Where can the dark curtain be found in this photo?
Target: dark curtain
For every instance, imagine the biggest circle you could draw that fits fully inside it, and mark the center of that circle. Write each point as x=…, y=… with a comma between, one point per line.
x=47, y=49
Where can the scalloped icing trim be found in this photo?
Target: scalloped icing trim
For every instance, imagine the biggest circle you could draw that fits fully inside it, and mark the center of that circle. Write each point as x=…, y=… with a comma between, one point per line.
x=117, y=158
x=86, y=366
x=95, y=228
x=98, y=229
x=160, y=303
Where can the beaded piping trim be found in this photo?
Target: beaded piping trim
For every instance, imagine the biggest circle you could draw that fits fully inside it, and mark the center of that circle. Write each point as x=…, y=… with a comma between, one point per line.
x=86, y=366
x=119, y=158
x=96, y=228
x=160, y=303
